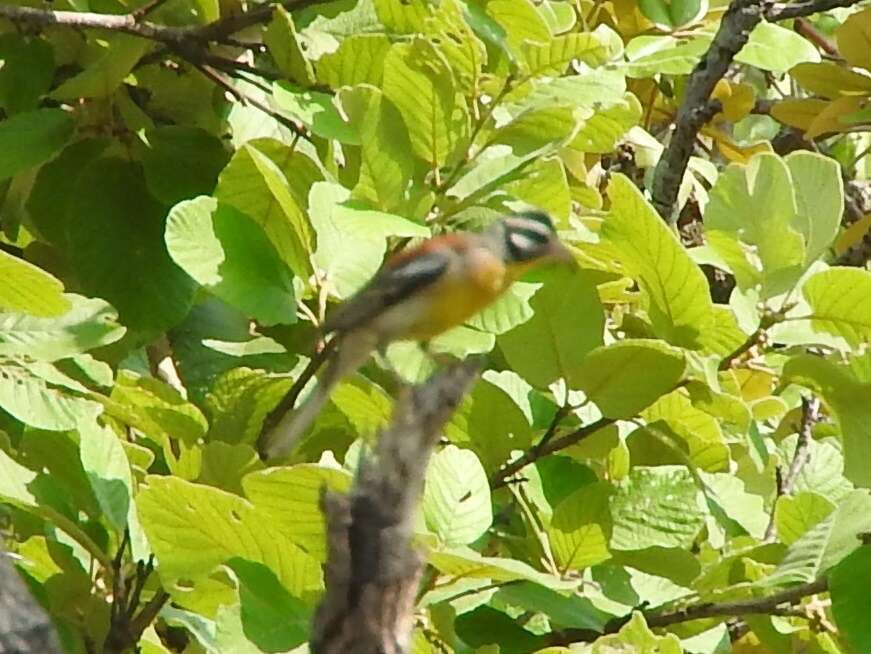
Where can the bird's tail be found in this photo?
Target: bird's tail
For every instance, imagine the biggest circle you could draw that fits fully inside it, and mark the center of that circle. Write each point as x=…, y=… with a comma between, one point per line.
x=352, y=354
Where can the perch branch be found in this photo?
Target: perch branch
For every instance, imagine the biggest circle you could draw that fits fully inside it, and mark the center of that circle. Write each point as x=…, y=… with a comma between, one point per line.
x=373, y=571
x=771, y=605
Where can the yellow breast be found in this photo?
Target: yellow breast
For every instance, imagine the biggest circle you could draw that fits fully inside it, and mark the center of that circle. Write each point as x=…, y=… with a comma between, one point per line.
x=460, y=294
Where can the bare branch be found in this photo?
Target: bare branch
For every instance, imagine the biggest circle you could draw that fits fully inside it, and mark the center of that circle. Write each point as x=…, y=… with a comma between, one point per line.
x=543, y=449
x=372, y=569
x=776, y=604
x=787, y=10
x=132, y=23
x=695, y=110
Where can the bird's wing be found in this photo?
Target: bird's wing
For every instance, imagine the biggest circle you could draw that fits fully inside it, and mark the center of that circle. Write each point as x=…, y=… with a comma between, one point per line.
x=392, y=284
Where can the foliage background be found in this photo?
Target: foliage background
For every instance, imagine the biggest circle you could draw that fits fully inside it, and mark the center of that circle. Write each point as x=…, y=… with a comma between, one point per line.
x=188, y=186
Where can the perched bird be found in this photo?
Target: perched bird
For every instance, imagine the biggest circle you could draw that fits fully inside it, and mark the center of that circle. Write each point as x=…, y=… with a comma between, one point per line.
x=420, y=293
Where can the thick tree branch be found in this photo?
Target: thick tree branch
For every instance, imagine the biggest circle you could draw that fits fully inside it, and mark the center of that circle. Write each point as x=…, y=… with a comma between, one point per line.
x=737, y=23
x=372, y=569
x=24, y=626
x=776, y=604
x=740, y=19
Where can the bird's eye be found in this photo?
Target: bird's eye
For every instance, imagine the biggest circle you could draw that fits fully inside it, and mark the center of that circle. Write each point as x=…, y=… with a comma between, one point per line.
x=522, y=246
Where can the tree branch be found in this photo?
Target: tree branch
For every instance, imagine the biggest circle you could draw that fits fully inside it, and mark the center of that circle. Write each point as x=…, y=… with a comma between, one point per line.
x=810, y=415
x=372, y=569
x=740, y=19
x=772, y=605
x=133, y=24
x=787, y=10
x=737, y=23
x=543, y=449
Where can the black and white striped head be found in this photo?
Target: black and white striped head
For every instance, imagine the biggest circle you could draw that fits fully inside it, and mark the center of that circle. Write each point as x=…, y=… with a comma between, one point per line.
x=530, y=237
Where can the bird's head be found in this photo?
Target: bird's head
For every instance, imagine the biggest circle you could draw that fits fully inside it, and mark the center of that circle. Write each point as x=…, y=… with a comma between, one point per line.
x=529, y=239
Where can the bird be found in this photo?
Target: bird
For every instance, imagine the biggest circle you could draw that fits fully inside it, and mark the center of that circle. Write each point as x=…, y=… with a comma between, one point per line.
x=420, y=293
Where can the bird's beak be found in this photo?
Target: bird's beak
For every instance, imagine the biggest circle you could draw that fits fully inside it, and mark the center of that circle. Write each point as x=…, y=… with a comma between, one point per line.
x=560, y=253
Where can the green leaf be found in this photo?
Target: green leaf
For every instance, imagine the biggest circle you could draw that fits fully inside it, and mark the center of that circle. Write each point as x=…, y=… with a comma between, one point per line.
x=230, y=255
x=155, y=409
x=284, y=45
x=534, y=129
x=272, y=618
x=740, y=196
x=636, y=636
x=491, y=420
x=509, y=311
x=418, y=81
x=796, y=514
x=181, y=162
x=358, y=60
x=15, y=482
x=352, y=241
x=563, y=610
x=119, y=54
x=108, y=470
x=289, y=499
x=553, y=56
x=848, y=585
x=239, y=402
x=90, y=323
x=552, y=345
x=56, y=185
x=30, y=290
x=462, y=561
x=465, y=54
x=666, y=55
x=844, y=394
x=486, y=625
x=402, y=16
x=819, y=196
x=316, y=110
x=656, y=507
x=29, y=399
x=839, y=301
x=609, y=375
x=677, y=293
x=521, y=22
x=705, y=443
x=827, y=544
x=545, y=185
x=456, y=499
x=386, y=159
x=29, y=139
x=194, y=528
x=255, y=185
x=673, y=15
x=116, y=244
x=27, y=72
x=775, y=48
x=581, y=526
x=602, y=131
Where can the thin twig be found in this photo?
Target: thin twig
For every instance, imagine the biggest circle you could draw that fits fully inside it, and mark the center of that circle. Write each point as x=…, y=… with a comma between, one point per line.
x=147, y=8
x=810, y=415
x=787, y=10
x=501, y=477
x=772, y=605
x=752, y=341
